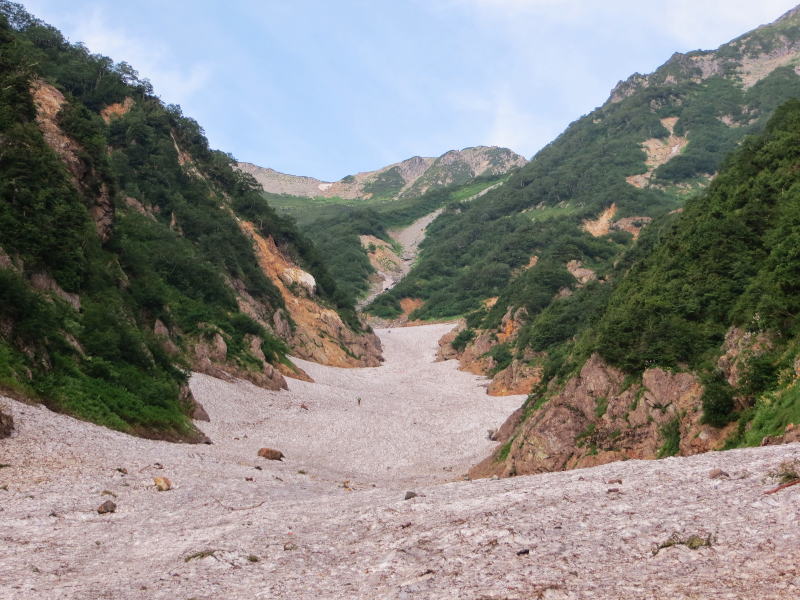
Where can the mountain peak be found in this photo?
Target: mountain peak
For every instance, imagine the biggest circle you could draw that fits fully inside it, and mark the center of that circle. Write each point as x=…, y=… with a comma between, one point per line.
x=746, y=59
x=791, y=14
x=410, y=177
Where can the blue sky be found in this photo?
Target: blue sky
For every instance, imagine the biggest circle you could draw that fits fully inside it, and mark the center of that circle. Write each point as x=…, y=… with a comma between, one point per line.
x=331, y=87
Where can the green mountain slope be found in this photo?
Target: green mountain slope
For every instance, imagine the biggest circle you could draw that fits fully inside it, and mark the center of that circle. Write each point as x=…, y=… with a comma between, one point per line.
x=336, y=228
x=123, y=258
x=657, y=139
x=693, y=343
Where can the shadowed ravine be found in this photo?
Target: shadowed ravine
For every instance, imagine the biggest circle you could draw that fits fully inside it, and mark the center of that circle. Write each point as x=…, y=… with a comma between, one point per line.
x=409, y=238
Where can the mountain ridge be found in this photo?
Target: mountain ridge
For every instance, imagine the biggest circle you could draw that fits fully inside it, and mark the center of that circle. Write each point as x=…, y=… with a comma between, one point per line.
x=410, y=177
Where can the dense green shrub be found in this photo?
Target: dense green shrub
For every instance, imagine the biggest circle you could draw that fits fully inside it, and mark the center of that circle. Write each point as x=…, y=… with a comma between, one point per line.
x=671, y=438
x=464, y=337
x=718, y=404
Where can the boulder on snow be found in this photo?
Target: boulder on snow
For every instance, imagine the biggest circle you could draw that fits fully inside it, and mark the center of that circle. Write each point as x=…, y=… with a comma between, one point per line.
x=270, y=454
x=162, y=484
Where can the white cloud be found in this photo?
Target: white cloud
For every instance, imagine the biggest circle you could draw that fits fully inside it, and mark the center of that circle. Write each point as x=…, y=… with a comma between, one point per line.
x=689, y=21
x=717, y=21
x=151, y=58
x=514, y=127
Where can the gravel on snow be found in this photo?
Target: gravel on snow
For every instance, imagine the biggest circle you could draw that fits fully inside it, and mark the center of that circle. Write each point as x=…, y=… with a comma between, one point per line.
x=330, y=521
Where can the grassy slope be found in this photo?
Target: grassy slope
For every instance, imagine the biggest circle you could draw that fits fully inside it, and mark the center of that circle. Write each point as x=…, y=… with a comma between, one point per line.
x=730, y=259
x=335, y=225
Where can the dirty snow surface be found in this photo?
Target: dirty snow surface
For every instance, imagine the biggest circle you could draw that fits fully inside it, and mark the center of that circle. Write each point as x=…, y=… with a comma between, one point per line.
x=331, y=521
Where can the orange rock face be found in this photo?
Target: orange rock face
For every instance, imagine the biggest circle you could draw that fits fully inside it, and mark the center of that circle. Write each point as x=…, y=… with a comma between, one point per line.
x=48, y=101
x=319, y=334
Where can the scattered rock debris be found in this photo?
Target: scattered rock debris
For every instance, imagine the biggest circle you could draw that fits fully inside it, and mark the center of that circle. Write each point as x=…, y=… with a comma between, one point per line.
x=693, y=542
x=718, y=474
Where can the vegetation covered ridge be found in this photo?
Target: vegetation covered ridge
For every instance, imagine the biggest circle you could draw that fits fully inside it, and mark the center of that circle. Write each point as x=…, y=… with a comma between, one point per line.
x=585, y=196
x=123, y=259
x=690, y=344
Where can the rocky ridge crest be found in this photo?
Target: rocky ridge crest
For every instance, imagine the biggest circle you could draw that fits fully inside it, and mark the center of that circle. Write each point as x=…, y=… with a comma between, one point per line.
x=409, y=178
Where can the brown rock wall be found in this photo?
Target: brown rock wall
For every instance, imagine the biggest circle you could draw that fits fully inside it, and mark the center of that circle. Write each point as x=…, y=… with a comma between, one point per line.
x=315, y=332
x=593, y=420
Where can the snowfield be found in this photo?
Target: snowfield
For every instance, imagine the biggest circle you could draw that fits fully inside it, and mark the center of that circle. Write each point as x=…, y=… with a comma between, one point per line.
x=330, y=520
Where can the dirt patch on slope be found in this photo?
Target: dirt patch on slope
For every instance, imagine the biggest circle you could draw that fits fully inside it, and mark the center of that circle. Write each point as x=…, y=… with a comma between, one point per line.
x=117, y=110
x=632, y=225
x=582, y=274
x=49, y=101
x=659, y=152
x=602, y=224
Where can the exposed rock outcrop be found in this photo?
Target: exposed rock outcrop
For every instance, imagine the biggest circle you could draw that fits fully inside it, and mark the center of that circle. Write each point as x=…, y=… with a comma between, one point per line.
x=739, y=347
x=293, y=276
x=45, y=283
x=595, y=419
x=313, y=332
x=519, y=377
x=746, y=60
x=210, y=353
